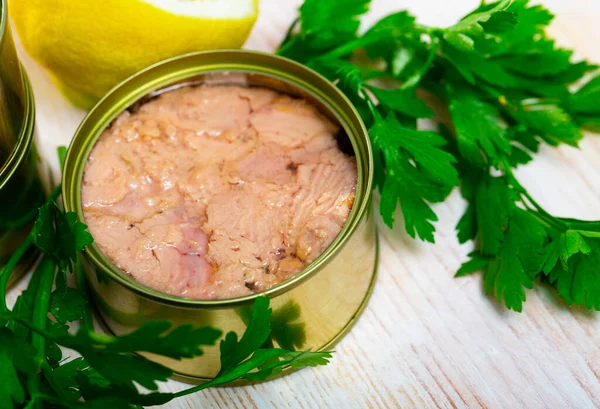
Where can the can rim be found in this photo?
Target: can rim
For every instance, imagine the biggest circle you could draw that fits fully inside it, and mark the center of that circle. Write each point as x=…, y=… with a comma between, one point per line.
x=25, y=140
x=175, y=69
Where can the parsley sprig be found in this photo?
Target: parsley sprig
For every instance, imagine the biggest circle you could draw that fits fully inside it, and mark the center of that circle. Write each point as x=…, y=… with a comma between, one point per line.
x=505, y=88
x=108, y=369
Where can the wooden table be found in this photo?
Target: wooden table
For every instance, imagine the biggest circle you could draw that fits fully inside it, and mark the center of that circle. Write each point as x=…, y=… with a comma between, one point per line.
x=428, y=340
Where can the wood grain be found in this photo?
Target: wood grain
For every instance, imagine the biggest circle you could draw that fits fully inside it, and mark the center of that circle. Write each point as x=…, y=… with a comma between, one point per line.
x=428, y=340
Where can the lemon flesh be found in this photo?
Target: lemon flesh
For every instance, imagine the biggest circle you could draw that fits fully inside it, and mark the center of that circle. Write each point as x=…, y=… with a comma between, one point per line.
x=89, y=46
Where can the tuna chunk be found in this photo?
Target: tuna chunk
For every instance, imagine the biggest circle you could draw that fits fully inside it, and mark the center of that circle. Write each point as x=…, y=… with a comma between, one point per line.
x=322, y=204
x=217, y=191
x=290, y=123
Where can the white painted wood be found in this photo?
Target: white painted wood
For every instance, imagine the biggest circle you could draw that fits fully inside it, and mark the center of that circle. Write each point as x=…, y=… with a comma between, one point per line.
x=428, y=340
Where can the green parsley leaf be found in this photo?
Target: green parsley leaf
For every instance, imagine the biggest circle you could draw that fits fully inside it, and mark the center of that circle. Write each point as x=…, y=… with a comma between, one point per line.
x=499, y=22
x=316, y=17
x=72, y=236
x=257, y=332
x=53, y=352
x=125, y=369
x=68, y=305
x=462, y=35
x=528, y=34
x=575, y=73
x=99, y=393
x=591, y=123
x=23, y=307
x=271, y=362
x=403, y=101
x=317, y=34
x=181, y=342
x=60, y=234
x=467, y=225
x=43, y=229
x=385, y=35
x=578, y=281
x=523, y=144
x=262, y=363
x=550, y=121
x=24, y=310
x=392, y=26
x=418, y=73
x=519, y=260
x=474, y=67
x=494, y=208
x=350, y=77
x=587, y=99
x=405, y=152
x=11, y=390
x=64, y=377
x=551, y=62
x=475, y=263
x=16, y=362
x=480, y=134
x=79, y=380
x=569, y=243
x=246, y=359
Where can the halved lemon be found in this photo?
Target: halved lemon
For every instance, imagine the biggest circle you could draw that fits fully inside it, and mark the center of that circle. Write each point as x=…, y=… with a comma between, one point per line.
x=89, y=46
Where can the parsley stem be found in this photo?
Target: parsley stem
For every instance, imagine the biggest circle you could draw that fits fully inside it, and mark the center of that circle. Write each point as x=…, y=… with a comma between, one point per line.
x=55, y=193
x=546, y=216
x=46, y=269
x=428, y=30
x=11, y=317
x=414, y=80
x=550, y=221
x=33, y=402
x=288, y=34
x=349, y=47
x=575, y=224
x=541, y=212
x=101, y=338
x=10, y=266
x=191, y=390
x=198, y=388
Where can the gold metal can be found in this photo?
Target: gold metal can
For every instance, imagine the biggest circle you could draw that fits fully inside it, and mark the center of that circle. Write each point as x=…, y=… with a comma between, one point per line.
x=312, y=309
x=21, y=189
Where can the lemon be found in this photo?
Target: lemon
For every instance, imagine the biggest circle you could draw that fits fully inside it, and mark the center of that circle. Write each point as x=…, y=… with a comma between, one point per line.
x=89, y=46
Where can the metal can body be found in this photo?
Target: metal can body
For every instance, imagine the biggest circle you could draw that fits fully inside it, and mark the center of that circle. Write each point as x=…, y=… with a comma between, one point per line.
x=314, y=308
x=21, y=189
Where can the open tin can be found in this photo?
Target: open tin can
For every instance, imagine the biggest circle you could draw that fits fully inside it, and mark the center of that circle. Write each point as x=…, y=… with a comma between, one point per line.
x=21, y=189
x=311, y=310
